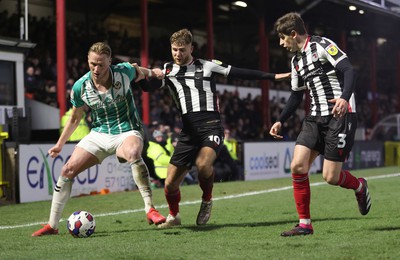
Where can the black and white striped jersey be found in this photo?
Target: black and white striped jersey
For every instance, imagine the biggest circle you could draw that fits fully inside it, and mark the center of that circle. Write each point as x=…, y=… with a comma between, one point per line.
x=315, y=65
x=193, y=86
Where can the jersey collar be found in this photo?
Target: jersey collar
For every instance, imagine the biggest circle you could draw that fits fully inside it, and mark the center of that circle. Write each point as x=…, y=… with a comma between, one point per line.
x=306, y=43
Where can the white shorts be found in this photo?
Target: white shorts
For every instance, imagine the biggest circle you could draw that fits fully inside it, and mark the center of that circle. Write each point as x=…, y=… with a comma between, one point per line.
x=103, y=145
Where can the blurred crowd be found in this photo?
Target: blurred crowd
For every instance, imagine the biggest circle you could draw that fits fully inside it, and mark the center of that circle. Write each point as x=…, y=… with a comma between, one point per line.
x=242, y=116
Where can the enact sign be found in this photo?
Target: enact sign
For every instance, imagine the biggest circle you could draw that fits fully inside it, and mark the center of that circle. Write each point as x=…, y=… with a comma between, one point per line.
x=38, y=173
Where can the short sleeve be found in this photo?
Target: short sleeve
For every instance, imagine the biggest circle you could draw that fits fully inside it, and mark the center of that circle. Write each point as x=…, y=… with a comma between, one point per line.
x=76, y=94
x=329, y=50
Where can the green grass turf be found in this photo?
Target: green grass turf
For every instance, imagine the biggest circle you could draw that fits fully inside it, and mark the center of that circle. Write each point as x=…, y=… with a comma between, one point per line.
x=246, y=223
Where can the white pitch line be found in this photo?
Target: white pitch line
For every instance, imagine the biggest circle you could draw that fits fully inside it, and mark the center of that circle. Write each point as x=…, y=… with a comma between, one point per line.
x=198, y=201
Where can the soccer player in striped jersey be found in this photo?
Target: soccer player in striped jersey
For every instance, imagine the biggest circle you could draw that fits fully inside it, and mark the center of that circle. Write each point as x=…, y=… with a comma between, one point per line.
x=330, y=127
x=117, y=129
x=191, y=82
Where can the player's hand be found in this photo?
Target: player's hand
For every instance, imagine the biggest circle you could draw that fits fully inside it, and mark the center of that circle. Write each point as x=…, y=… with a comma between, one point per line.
x=139, y=73
x=275, y=129
x=158, y=73
x=283, y=76
x=340, y=107
x=54, y=151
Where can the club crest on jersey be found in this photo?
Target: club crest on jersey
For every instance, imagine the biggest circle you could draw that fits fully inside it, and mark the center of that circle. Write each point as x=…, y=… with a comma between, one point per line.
x=117, y=85
x=332, y=50
x=314, y=57
x=217, y=62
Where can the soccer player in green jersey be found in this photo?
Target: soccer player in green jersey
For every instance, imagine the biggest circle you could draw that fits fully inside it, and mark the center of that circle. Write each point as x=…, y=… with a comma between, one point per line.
x=117, y=129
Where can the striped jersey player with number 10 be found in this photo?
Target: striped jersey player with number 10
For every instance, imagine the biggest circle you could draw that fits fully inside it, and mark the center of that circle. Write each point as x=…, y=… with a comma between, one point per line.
x=191, y=82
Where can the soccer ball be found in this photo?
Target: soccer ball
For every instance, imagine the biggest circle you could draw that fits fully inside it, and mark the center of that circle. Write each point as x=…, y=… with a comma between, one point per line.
x=81, y=224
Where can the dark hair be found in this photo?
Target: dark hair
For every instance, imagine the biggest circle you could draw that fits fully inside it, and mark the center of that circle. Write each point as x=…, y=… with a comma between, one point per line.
x=290, y=22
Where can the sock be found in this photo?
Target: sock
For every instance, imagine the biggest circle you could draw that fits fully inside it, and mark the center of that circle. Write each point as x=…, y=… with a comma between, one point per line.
x=173, y=198
x=61, y=194
x=206, y=186
x=309, y=226
x=348, y=181
x=305, y=223
x=140, y=175
x=302, y=194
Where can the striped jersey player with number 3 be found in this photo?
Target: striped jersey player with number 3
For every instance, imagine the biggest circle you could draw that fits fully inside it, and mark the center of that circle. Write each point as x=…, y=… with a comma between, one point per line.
x=192, y=85
x=330, y=127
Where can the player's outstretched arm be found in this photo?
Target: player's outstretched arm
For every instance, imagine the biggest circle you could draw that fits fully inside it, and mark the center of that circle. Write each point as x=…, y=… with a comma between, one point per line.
x=139, y=72
x=152, y=73
x=242, y=73
x=282, y=76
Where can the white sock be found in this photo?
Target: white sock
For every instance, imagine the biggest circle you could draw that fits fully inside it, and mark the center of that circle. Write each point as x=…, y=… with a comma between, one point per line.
x=140, y=175
x=305, y=221
x=61, y=194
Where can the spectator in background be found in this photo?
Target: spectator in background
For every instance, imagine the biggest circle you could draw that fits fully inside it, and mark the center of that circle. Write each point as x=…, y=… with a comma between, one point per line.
x=81, y=130
x=32, y=88
x=50, y=93
x=68, y=87
x=160, y=153
x=167, y=116
x=227, y=166
x=49, y=69
x=231, y=144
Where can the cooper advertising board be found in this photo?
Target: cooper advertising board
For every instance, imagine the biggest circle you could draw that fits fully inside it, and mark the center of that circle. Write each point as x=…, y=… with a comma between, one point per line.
x=38, y=173
x=271, y=160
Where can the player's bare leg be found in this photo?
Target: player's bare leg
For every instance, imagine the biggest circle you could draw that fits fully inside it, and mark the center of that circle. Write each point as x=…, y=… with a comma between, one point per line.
x=79, y=161
x=131, y=150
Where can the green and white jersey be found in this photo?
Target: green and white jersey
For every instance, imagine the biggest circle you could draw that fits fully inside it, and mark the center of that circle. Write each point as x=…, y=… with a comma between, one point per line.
x=114, y=111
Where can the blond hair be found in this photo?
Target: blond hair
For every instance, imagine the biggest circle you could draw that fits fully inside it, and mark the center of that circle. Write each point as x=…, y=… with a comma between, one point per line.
x=181, y=37
x=100, y=48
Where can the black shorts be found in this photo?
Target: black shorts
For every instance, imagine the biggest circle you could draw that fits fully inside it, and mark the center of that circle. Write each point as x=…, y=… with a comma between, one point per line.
x=331, y=137
x=208, y=133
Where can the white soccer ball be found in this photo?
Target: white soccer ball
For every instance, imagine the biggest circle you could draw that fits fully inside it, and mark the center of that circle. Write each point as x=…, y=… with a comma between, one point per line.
x=81, y=224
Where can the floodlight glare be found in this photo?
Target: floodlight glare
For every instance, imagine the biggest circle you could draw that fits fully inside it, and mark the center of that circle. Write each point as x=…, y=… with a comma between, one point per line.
x=352, y=8
x=240, y=3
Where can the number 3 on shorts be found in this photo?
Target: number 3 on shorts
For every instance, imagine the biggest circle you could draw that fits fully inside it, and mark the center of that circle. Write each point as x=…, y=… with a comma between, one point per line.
x=342, y=140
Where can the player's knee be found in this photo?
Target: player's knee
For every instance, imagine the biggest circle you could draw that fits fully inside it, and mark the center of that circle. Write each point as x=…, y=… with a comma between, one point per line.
x=298, y=167
x=133, y=154
x=330, y=179
x=171, y=187
x=69, y=171
x=203, y=167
